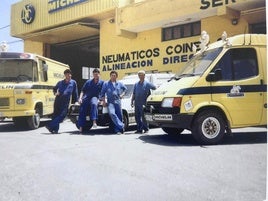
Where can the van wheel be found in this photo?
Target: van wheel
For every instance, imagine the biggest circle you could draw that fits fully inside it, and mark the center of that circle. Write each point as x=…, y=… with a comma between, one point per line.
x=172, y=131
x=33, y=122
x=208, y=127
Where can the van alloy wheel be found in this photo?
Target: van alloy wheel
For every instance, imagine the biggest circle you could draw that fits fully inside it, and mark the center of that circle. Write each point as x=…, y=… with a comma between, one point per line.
x=209, y=127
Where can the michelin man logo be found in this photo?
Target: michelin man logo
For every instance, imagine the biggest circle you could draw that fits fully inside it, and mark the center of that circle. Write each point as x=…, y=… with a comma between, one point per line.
x=235, y=91
x=28, y=14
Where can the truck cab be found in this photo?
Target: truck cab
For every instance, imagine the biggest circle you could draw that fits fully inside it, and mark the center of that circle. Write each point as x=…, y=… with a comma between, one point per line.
x=223, y=86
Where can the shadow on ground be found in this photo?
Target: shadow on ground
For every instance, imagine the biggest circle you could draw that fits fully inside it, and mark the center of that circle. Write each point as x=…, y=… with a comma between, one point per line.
x=188, y=140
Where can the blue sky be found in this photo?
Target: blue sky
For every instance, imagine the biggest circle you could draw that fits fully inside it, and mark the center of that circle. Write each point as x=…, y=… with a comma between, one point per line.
x=15, y=45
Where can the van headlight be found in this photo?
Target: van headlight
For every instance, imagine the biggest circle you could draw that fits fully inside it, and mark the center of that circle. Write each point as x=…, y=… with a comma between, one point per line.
x=20, y=101
x=171, y=102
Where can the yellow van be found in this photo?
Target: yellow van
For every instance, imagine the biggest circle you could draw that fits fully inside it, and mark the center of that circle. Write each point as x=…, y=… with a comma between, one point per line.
x=26, y=84
x=223, y=86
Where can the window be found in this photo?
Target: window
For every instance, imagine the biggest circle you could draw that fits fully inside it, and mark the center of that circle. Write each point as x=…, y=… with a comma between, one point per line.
x=259, y=28
x=43, y=75
x=238, y=64
x=181, y=31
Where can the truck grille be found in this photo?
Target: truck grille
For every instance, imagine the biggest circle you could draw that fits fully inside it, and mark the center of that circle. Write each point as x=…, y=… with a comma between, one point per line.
x=4, y=102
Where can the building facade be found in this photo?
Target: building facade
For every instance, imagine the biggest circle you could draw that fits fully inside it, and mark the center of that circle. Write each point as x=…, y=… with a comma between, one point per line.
x=129, y=35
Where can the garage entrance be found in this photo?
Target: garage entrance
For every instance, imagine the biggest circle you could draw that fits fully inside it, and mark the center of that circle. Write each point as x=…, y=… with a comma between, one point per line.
x=78, y=53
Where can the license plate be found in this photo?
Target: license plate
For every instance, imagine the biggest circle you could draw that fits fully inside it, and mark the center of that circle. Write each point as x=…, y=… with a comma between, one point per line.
x=149, y=117
x=163, y=117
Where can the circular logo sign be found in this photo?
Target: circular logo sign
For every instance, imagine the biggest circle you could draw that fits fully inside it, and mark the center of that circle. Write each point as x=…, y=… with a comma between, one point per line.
x=28, y=14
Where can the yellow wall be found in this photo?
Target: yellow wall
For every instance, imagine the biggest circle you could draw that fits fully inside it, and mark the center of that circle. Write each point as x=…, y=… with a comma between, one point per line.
x=216, y=25
x=44, y=19
x=34, y=47
x=112, y=45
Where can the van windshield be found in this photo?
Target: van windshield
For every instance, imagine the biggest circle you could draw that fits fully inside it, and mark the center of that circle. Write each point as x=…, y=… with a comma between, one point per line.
x=18, y=70
x=199, y=63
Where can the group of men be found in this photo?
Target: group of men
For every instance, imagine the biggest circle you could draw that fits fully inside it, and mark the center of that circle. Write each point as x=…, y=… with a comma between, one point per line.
x=94, y=91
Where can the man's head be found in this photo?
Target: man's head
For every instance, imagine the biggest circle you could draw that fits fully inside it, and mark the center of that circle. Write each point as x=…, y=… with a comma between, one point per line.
x=141, y=74
x=67, y=74
x=96, y=73
x=113, y=75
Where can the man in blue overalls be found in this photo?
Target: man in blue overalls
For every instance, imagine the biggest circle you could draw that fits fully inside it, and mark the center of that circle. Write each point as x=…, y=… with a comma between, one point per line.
x=114, y=91
x=141, y=91
x=89, y=98
x=64, y=90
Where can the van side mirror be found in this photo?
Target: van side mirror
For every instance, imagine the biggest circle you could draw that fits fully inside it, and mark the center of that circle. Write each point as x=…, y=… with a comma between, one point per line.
x=214, y=76
x=45, y=67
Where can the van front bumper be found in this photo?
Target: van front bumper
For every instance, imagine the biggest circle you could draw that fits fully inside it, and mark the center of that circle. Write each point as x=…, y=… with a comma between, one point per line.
x=16, y=113
x=170, y=120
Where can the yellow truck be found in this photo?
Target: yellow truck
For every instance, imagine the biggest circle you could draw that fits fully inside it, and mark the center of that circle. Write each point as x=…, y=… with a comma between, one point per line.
x=224, y=86
x=26, y=87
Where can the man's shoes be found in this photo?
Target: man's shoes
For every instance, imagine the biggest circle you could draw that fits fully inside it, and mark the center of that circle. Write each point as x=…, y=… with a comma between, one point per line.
x=49, y=129
x=122, y=132
x=95, y=125
x=146, y=131
x=138, y=132
x=80, y=130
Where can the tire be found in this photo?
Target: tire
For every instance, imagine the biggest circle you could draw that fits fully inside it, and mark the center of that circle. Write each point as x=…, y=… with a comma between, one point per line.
x=208, y=127
x=33, y=122
x=88, y=125
x=125, y=121
x=111, y=126
x=173, y=131
x=20, y=122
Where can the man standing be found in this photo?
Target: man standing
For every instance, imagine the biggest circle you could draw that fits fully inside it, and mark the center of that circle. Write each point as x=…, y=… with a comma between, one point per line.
x=141, y=91
x=89, y=98
x=114, y=91
x=64, y=90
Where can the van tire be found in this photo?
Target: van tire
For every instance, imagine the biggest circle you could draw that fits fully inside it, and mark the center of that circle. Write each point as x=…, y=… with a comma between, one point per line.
x=33, y=122
x=172, y=131
x=208, y=127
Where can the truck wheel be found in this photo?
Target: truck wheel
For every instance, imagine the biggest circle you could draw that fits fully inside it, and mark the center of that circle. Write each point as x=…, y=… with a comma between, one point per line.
x=33, y=122
x=172, y=131
x=20, y=122
x=208, y=127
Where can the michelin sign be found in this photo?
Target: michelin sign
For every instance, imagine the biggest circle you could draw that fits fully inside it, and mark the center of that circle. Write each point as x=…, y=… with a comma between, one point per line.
x=56, y=5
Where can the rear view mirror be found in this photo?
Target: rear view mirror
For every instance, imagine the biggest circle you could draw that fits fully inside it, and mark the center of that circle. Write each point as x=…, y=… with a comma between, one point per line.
x=45, y=67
